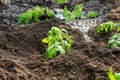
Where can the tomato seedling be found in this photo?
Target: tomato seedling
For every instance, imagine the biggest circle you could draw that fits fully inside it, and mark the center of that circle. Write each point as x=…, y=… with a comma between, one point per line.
x=114, y=41
x=91, y=14
x=58, y=41
x=105, y=27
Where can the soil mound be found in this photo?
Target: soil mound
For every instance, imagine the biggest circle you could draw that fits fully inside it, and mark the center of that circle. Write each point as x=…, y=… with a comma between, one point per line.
x=22, y=55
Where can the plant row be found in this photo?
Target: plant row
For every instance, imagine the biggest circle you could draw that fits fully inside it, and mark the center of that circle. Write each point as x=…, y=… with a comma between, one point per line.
x=37, y=13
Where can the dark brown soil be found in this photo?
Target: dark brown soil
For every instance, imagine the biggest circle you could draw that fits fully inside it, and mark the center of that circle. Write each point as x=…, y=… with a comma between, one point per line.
x=22, y=54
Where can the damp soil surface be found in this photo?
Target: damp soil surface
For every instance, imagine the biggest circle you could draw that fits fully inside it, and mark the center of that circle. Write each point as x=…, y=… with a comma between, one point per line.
x=22, y=54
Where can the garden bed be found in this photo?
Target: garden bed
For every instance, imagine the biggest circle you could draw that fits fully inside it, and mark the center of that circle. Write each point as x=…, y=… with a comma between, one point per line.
x=22, y=54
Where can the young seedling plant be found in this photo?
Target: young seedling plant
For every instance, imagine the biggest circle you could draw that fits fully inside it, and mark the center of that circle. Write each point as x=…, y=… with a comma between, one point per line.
x=91, y=14
x=114, y=41
x=105, y=27
x=58, y=41
x=115, y=76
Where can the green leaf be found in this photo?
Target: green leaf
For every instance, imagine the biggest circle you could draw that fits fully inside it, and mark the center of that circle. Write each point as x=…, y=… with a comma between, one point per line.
x=113, y=45
x=61, y=50
x=118, y=43
x=51, y=52
x=47, y=10
x=114, y=36
x=118, y=28
x=37, y=8
x=76, y=14
x=67, y=14
x=45, y=40
x=78, y=8
x=110, y=74
x=24, y=18
x=100, y=29
x=67, y=46
x=111, y=41
x=105, y=27
x=117, y=76
x=21, y=18
x=111, y=25
x=58, y=40
x=42, y=12
x=27, y=20
x=91, y=14
x=118, y=35
x=114, y=41
x=51, y=14
x=36, y=15
x=30, y=12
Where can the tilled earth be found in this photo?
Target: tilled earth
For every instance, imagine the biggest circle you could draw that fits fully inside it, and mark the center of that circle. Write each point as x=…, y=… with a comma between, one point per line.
x=22, y=54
